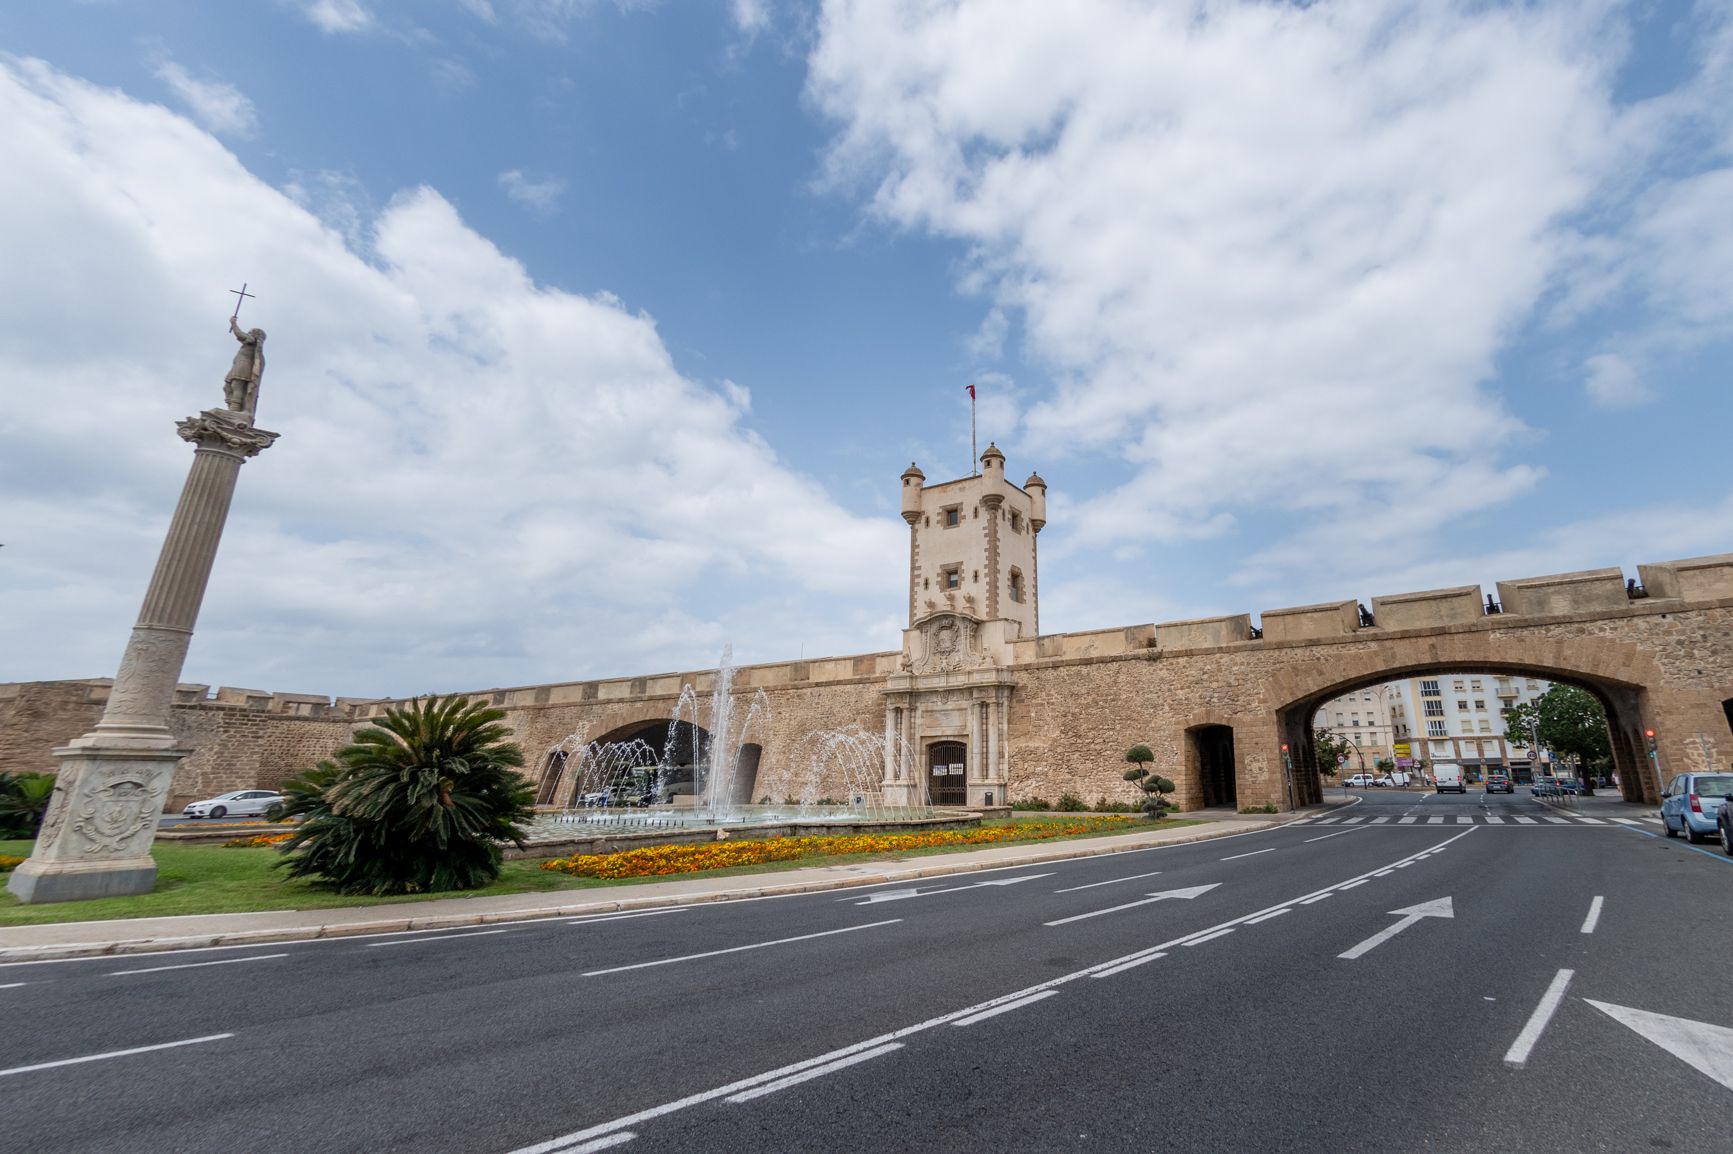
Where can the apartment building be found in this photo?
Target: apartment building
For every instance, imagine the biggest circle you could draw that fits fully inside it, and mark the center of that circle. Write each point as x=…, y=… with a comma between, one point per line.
x=1440, y=717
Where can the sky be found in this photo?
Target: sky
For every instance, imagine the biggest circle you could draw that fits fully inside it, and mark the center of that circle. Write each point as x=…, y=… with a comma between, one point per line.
x=600, y=331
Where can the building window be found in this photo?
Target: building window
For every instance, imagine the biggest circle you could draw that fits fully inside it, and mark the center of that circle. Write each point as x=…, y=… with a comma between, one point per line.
x=1474, y=685
x=1429, y=689
x=1486, y=727
x=951, y=577
x=1016, y=521
x=1434, y=729
x=953, y=516
x=1338, y=719
x=1016, y=584
x=1434, y=708
x=1462, y=705
x=1480, y=705
x=1458, y=686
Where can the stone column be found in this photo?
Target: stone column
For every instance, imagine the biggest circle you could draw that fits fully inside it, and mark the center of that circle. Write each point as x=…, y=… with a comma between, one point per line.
x=974, y=732
x=96, y=836
x=995, y=717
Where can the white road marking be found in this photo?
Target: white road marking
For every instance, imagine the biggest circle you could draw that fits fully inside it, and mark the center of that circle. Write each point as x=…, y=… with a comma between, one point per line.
x=424, y=941
x=1559, y=820
x=1322, y=836
x=1114, y=881
x=589, y=918
x=1186, y=894
x=1590, y=821
x=1525, y=820
x=1123, y=966
x=1328, y=820
x=735, y=949
x=1438, y=908
x=1352, y=884
x=1254, y=853
x=114, y=1054
x=1352, y=820
x=1460, y=820
x=1401, y=866
x=196, y=965
x=1380, y=820
x=1707, y=1049
x=1383, y=873
x=815, y=1072
x=1494, y=819
x=13, y=985
x=1268, y=916
x=903, y=895
x=1004, y=1009
x=619, y=1138
x=1435, y=820
x=1594, y=918
x=1627, y=821
x=1406, y=820
x=1208, y=937
x=1319, y=898
x=1520, y=1049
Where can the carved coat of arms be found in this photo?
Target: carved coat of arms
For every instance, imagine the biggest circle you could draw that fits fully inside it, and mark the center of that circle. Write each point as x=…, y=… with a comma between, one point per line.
x=112, y=816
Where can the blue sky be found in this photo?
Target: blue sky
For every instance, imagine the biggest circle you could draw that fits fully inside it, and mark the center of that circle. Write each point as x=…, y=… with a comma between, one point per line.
x=600, y=331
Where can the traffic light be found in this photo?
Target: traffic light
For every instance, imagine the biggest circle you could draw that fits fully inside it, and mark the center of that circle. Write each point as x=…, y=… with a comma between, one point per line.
x=1649, y=736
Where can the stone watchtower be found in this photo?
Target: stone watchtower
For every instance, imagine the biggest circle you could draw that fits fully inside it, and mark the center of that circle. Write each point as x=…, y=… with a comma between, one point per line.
x=973, y=589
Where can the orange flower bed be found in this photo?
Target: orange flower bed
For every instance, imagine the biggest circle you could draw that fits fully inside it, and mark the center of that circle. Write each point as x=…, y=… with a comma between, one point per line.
x=654, y=861
x=258, y=841
x=8, y=862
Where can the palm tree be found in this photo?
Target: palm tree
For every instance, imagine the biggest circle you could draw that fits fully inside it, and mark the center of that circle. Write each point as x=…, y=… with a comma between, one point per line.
x=419, y=802
x=24, y=799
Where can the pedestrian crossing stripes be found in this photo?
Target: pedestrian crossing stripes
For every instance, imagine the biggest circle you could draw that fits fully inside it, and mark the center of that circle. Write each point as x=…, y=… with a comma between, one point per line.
x=1476, y=819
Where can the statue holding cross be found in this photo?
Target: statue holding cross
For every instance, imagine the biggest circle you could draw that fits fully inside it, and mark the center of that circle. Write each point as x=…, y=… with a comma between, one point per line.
x=241, y=386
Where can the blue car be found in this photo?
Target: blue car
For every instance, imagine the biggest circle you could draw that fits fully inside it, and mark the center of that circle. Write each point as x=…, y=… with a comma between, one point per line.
x=1692, y=804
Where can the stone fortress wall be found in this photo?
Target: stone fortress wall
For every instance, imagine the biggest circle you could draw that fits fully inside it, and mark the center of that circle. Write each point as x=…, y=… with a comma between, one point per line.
x=1661, y=661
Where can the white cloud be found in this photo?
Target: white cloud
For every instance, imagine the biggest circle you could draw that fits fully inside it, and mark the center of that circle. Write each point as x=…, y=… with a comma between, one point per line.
x=1242, y=237
x=988, y=341
x=480, y=480
x=1612, y=383
x=750, y=16
x=337, y=16
x=539, y=196
x=220, y=107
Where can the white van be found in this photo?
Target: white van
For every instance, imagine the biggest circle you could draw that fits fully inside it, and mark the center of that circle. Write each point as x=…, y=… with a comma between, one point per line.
x=1447, y=776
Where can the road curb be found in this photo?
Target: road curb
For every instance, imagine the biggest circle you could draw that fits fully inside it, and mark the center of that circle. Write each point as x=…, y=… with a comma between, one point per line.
x=620, y=904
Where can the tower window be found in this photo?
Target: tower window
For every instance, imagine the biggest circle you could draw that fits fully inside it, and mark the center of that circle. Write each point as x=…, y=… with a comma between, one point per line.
x=953, y=516
x=951, y=577
x=1016, y=583
x=1016, y=522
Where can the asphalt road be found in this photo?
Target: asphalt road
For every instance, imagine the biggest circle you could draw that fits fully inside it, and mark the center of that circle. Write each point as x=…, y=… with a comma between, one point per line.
x=1298, y=989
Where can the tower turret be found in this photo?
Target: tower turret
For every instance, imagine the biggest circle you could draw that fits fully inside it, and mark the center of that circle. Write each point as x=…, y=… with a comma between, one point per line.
x=913, y=481
x=1037, y=490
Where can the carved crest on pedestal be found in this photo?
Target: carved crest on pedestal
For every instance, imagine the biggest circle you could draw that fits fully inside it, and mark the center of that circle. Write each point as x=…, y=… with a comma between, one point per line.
x=948, y=642
x=114, y=815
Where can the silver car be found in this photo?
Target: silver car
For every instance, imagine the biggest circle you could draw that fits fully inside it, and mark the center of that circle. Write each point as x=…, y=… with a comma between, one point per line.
x=1692, y=803
x=237, y=803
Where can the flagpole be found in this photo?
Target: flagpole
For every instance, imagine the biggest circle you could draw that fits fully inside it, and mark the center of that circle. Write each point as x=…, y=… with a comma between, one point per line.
x=974, y=454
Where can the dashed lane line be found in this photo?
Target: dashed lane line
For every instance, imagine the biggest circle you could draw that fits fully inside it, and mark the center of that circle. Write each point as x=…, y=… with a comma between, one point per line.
x=736, y=949
x=113, y=1054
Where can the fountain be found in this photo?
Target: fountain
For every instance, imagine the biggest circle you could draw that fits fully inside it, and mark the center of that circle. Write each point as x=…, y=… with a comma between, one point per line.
x=699, y=784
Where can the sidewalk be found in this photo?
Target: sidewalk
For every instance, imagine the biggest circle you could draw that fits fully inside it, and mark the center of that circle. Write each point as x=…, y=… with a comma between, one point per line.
x=200, y=931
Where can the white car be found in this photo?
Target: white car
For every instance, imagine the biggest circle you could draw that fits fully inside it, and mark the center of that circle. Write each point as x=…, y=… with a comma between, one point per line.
x=237, y=803
x=1365, y=781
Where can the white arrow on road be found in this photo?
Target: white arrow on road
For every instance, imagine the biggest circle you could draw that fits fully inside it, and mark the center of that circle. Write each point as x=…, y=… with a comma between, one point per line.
x=1187, y=894
x=900, y=895
x=1708, y=1049
x=1439, y=908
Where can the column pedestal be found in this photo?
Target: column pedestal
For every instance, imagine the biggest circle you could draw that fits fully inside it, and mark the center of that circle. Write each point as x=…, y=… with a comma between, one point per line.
x=95, y=840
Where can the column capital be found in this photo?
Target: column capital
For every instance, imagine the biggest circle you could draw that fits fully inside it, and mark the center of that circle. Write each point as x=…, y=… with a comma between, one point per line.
x=225, y=432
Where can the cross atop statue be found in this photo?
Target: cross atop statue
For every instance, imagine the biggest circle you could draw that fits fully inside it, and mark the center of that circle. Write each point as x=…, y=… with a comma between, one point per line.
x=241, y=386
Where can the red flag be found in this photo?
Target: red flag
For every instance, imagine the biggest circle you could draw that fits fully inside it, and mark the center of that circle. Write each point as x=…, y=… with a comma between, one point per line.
x=971, y=389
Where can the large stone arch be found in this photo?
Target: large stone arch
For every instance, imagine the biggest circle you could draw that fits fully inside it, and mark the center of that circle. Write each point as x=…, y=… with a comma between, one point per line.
x=1635, y=692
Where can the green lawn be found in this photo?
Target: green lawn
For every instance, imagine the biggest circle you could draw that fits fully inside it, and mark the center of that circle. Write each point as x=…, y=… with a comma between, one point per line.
x=209, y=879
